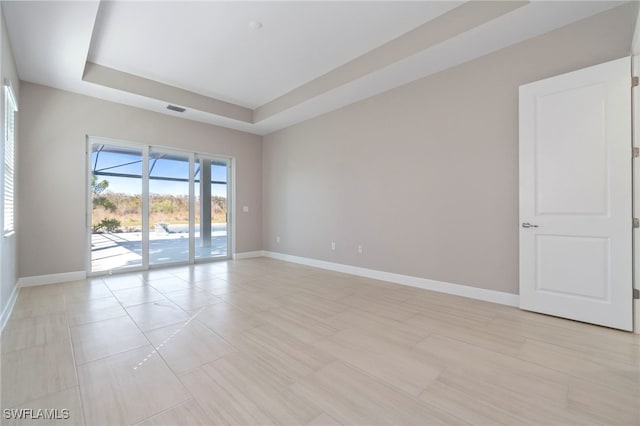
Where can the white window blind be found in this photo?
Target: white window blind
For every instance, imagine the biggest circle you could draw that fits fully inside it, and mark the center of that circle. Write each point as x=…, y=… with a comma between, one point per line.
x=10, y=108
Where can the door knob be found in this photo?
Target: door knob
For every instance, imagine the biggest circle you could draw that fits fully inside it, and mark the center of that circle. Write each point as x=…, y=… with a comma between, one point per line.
x=528, y=225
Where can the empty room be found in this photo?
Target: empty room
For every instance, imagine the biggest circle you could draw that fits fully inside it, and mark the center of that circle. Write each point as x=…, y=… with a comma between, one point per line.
x=320, y=213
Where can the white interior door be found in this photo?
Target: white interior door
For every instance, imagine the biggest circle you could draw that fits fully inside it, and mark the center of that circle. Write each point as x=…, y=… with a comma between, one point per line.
x=576, y=195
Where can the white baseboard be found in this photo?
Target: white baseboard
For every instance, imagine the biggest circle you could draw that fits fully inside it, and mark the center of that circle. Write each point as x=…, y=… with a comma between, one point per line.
x=248, y=255
x=424, y=283
x=6, y=312
x=51, y=278
x=636, y=312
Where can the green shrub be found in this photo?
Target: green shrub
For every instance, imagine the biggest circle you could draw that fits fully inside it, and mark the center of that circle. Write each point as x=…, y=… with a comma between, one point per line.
x=109, y=225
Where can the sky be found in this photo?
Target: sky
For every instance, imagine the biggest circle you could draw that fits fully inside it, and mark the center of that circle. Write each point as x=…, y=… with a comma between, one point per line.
x=131, y=163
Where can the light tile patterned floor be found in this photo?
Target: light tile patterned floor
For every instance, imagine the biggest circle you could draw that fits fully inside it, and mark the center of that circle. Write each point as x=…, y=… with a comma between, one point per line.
x=261, y=341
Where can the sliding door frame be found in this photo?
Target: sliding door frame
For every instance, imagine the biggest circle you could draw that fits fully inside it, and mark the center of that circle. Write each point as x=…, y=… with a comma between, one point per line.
x=190, y=156
x=229, y=162
x=144, y=193
x=146, y=149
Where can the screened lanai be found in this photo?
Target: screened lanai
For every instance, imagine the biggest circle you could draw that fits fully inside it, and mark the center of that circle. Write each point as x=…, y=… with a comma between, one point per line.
x=144, y=213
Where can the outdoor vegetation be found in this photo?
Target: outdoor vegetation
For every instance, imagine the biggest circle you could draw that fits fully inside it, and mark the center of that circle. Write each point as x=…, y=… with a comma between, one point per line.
x=117, y=212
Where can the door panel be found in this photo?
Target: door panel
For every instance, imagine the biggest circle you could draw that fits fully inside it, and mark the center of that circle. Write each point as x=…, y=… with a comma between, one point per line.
x=116, y=208
x=575, y=191
x=169, y=206
x=211, y=207
x=571, y=152
x=590, y=281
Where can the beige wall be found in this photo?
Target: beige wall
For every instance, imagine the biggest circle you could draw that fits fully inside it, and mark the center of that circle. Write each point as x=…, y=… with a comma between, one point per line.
x=7, y=244
x=425, y=176
x=635, y=45
x=54, y=125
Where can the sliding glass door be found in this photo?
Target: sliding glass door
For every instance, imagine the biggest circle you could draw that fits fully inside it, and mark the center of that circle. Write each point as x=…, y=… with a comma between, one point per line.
x=212, y=192
x=169, y=207
x=116, y=207
x=152, y=206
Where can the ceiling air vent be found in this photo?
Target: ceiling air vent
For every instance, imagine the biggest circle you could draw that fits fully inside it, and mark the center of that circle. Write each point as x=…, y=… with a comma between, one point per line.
x=176, y=108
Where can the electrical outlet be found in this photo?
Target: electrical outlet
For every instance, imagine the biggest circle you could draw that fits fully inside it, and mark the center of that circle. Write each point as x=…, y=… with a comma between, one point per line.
x=333, y=245
x=360, y=248
x=278, y=239
x=245, y=209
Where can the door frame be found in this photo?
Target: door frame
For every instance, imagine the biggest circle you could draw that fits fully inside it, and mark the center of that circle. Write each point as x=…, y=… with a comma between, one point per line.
x=190, y=156
x=90, y=140
x=146, y=149
x=635, y=138
x=229, y=162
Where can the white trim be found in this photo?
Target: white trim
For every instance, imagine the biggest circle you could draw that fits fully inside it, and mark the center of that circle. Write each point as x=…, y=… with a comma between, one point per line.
x=6, y=313
x=635, y=134
x=12, y=93
x=248, y=255
x=192, y=209
x=424, y=283
x=636, y=310
x=51, y=278
x=231, y=206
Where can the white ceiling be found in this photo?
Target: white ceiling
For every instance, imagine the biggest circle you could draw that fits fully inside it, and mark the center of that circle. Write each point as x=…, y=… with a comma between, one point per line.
x=209, y=48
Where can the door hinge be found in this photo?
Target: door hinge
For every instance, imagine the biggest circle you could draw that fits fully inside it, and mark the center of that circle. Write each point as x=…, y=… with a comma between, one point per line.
x=635, y=81
x=636, y=152
x=636, y=293
x=636, y=222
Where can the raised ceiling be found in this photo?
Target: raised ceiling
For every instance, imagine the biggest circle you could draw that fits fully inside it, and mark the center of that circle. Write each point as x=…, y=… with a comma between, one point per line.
x=210, y=47
x=307, y=58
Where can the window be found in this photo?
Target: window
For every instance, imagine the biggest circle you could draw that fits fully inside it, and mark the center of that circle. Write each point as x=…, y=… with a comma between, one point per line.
x=10, y=108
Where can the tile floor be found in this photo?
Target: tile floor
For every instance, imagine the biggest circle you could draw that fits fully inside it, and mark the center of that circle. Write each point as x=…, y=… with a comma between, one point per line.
x=266, y=342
